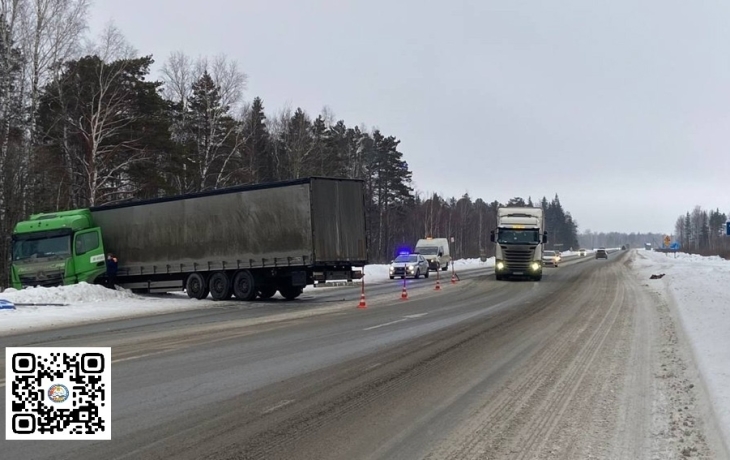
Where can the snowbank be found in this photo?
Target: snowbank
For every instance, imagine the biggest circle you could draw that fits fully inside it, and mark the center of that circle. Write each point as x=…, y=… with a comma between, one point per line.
x=698, y=286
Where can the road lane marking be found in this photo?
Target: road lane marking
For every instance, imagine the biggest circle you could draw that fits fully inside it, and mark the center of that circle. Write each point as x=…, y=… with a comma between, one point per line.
x=278, y=405
x=385, y=324
x=405, y=318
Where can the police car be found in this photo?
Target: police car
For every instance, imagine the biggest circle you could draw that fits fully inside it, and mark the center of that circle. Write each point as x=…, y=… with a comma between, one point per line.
x=408, y=265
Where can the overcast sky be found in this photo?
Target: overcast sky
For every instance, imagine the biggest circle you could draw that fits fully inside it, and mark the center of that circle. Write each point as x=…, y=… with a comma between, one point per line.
x=620, y=107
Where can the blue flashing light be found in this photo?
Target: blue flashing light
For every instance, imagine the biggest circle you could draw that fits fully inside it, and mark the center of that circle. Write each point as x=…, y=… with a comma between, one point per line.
x=404, y=252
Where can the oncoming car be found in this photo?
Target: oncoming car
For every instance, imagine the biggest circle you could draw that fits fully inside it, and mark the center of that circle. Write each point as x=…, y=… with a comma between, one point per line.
x=408, y=265
x=582, y=252
x=601, y=254
x=550, y=258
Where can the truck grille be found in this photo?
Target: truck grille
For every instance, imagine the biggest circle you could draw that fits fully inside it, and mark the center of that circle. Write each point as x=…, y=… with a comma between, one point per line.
x=44, y=279
x=518, y=259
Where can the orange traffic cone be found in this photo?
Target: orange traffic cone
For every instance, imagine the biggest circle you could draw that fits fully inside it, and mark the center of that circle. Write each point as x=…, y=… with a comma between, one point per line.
x=404, y=293
x=362, y=301
x=453, y=278
x=438, y=285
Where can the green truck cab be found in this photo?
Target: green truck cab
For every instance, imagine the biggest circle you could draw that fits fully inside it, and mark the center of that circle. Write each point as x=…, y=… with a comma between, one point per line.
x=54, y=249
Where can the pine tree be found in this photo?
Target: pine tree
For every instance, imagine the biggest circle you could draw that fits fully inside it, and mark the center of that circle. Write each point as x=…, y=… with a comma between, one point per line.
x=256, y=147
x=210, y=130
x=299, y=145
x=391, y=187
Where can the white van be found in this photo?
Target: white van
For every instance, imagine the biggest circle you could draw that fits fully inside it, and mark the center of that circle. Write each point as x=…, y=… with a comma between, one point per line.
x=436, y=251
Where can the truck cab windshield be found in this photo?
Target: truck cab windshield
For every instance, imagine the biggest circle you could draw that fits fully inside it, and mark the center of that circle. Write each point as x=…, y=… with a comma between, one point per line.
x=429, y=251
x=511, y=236
x=29, y=249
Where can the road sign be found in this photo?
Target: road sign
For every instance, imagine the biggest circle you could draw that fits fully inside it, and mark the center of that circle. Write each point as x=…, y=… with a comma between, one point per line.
x=727, y=230
x=667, y=240
x=674, y=246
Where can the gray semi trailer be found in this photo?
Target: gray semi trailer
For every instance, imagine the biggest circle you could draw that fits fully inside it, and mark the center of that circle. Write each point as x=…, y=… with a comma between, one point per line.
x=243, y=241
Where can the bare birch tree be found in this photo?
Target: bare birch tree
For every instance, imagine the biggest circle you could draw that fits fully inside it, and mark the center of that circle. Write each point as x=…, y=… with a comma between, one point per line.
x=52, y=34
x=11, y=99
x=111, y=45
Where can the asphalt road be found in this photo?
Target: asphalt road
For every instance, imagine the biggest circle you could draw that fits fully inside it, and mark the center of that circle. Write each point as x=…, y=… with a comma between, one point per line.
x=562, y=368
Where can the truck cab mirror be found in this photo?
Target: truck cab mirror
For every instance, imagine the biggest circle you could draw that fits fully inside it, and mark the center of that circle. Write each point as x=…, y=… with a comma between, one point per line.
x=544, y=237
x=491, y=236
x=441, y=253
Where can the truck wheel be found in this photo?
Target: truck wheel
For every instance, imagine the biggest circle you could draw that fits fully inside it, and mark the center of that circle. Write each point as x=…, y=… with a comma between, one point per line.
x=220, y=286
x=244, y=286
x=290, y=292
x=427, y=274
x=196, y=287
x=266, y=292
x=537, y=278
x=443, y=269
x=498, y=277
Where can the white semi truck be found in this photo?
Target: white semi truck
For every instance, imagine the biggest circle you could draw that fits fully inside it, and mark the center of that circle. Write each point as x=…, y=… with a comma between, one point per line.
x=519, y=239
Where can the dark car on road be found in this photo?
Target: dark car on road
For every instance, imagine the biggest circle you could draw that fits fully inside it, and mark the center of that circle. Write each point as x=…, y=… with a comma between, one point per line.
x=601, y=254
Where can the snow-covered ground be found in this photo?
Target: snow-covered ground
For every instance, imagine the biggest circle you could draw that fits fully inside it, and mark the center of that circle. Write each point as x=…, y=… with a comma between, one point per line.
x=696, y=285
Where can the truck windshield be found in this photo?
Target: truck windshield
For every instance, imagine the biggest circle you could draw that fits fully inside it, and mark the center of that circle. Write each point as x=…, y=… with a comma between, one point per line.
x=511, y=236
x=55, y=246
x=428, y=251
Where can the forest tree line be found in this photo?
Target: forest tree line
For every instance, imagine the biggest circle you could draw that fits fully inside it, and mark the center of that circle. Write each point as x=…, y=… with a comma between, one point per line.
x=702, y=232
x=83, y=123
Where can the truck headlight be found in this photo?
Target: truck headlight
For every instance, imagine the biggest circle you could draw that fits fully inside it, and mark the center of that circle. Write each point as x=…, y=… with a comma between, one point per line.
x=500, y=265
x=535, y=266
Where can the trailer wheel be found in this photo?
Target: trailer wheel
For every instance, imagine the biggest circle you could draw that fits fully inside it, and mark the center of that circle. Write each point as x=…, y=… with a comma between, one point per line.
x=267, y=292
x=196, y=287
x=244, y=286
x=290, y=292
x=220, y=286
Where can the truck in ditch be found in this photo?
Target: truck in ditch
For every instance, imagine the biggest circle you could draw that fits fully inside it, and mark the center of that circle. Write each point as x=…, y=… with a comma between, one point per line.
x=243, y=241
x=519, y=239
